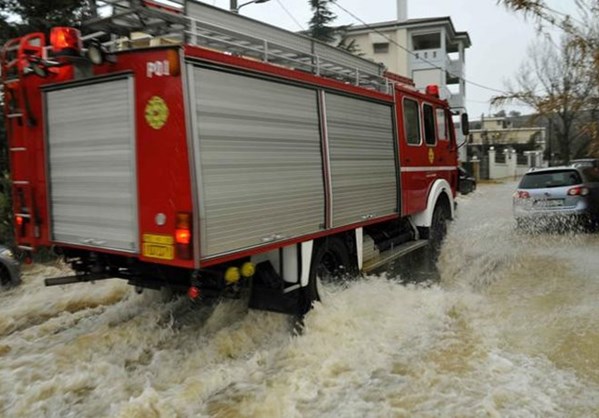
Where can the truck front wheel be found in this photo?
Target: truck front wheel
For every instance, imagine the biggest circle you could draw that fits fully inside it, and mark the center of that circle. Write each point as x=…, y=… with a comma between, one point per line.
x=438, y=228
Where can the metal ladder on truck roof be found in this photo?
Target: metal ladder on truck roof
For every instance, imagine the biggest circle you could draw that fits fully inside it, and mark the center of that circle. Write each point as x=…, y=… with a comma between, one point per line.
x=211, y=27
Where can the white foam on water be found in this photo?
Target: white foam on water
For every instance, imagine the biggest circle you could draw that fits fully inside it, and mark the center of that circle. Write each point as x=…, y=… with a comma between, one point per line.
x=510, y=331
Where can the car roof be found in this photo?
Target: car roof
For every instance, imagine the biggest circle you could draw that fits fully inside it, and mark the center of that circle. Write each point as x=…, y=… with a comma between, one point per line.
x=550, y=169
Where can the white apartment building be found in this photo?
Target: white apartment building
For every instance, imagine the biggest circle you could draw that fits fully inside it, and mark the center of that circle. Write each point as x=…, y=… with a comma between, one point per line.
x=429, y=51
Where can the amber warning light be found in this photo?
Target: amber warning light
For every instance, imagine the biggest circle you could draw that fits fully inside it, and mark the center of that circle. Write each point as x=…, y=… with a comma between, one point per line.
x=65, y=41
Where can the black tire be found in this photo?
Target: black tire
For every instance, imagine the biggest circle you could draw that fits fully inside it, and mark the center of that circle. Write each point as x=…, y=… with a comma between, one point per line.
x=5, y=279
x=331, y=263
x=438, y=229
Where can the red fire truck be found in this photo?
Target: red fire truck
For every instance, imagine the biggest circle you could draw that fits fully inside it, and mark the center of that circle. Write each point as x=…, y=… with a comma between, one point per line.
x=192, y=148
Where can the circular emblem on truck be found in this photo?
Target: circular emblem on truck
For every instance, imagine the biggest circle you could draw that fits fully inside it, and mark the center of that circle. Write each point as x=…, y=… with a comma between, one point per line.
x=156, y=112
x=431, y=155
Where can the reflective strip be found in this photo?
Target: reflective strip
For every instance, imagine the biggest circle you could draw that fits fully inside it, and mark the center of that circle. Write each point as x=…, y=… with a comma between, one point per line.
x=418, y=169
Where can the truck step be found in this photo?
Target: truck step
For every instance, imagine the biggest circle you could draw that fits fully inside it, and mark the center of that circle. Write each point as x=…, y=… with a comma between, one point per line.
x=392, y=254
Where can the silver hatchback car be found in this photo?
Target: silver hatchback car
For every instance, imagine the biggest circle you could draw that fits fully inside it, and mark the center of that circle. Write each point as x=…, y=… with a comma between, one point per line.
x=564, y=196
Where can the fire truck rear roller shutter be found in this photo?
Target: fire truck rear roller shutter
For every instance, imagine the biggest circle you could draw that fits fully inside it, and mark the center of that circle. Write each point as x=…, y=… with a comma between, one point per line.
x=362, y=155
x=258, y=159
x=91, y=165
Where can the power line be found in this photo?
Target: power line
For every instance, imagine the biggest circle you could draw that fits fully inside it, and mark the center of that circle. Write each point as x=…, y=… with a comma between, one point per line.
x=482, y=86
x=488, y=102
x=291, y=15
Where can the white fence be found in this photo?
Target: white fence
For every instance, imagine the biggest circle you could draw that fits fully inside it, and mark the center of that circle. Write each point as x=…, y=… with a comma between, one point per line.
x=508, y=167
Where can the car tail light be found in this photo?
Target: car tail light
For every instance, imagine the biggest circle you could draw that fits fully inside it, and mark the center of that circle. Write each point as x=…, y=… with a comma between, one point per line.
x=521, y=194
x=183, y=238
x=65, y=41
x=578, y=191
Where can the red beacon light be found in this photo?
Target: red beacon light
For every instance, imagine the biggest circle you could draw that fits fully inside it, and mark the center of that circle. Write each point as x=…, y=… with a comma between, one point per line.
x=66, y=41
x=432, y=90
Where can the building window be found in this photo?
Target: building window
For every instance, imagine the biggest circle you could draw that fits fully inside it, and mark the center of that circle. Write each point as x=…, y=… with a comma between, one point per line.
x=411, y=120
x=429, y=125
x=426, y=41
x=381, y=47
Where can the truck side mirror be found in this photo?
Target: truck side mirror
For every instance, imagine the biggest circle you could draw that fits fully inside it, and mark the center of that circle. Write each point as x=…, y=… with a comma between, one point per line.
x=465, y=124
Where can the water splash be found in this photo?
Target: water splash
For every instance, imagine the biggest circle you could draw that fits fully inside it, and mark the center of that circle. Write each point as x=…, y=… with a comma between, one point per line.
x=509, y=330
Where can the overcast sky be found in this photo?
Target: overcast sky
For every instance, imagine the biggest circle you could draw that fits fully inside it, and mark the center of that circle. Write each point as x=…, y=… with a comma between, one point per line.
x=499, y=37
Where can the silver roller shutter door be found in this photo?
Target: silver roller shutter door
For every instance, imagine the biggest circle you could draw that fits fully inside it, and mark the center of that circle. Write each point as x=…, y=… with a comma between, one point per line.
x=362, y=159
x=91, y=163
x=259, y=162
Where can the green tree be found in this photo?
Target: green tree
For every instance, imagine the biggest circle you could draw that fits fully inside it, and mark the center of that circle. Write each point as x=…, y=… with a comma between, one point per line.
x=321, y=27
x=18, y=17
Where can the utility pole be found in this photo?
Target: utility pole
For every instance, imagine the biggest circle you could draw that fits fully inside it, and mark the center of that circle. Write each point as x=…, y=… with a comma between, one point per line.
x=233, y=6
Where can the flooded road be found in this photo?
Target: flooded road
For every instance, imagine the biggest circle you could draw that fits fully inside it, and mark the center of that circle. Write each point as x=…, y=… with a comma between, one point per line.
x=507, y=329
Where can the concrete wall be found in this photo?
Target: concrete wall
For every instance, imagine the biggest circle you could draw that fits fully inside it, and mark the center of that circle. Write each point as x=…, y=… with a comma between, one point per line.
x=423, y=78
x=396, y=59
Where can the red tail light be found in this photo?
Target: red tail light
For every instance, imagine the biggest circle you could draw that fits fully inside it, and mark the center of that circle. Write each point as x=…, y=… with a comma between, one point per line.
x=578, y=191
x=193, y=293
x=65, y=41
x=21, y=225
x=521, y=194
x=183, y=238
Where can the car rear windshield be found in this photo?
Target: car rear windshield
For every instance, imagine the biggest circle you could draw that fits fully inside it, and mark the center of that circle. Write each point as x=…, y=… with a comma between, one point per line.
x=548, y=179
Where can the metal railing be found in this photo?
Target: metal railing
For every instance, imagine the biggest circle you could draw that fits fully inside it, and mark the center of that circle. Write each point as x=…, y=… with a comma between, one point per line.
x=205, y=34
x=214, y=28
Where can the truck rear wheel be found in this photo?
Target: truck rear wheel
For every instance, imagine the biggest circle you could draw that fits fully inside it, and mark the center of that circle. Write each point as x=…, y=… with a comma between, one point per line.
x=331, y=263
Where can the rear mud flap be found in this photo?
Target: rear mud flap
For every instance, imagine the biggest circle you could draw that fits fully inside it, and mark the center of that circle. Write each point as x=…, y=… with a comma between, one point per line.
x=270, y=293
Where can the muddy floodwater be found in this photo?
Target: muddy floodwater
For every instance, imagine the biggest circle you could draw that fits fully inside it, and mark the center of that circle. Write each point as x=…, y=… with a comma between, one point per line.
x=508, y=326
